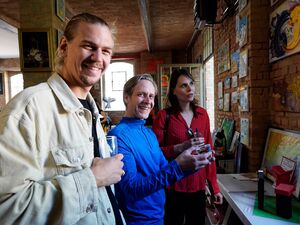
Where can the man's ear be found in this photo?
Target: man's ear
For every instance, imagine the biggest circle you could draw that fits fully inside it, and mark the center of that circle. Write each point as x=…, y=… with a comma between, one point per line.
x=126, y=99
x=63, y=44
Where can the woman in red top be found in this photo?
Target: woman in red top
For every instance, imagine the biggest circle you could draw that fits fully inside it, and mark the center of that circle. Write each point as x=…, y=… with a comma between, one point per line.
x=188, y=125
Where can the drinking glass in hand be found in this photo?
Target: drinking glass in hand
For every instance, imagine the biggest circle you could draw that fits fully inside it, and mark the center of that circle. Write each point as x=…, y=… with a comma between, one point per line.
x=113, y=145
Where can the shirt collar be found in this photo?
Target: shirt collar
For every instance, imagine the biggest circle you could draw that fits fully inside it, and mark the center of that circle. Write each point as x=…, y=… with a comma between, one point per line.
x=133, y=121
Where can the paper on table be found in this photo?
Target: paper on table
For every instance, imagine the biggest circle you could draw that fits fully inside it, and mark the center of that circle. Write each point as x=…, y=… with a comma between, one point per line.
x=245, y=176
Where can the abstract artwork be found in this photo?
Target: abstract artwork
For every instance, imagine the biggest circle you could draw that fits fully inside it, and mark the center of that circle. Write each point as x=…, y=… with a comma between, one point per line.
x=284, y=30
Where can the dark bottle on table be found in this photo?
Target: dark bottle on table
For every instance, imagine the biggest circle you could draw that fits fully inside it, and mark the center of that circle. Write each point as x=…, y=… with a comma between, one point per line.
x=260, y=189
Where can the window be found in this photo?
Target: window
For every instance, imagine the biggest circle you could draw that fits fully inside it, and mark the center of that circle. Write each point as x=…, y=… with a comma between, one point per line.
x=207, y=43
x=112, y=85
x=209, y=91
x=16, y=84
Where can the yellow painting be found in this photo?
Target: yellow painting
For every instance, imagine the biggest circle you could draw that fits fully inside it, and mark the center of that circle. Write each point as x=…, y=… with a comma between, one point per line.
x=282, y=144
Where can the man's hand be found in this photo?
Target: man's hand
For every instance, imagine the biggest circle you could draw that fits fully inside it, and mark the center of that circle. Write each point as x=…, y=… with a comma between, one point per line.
x=187, y=160
x=196, y=141
x=108, y=171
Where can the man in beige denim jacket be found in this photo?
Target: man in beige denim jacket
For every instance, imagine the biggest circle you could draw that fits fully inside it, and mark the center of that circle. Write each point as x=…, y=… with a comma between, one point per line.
x=48, y=173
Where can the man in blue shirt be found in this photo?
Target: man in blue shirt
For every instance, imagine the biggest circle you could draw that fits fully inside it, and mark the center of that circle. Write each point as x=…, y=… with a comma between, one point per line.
x=141, y=191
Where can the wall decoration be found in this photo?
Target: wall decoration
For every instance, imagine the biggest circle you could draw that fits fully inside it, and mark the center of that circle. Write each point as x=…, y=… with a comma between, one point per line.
x=281, y=144
x=234, y=97
x=235, y=58
x=1, y=83
x=284, y=30
x=286, y=94
x=234, y=142
x=220, y=104
x=242, y=4
x=60, y=9
x=244, y=136
x=293, y=94
x=243, y=66
x=35, y=50
x=220, y=89
x=244, y=105
x=234, y=81
x=228, y=127
x=226, y=106
x=243, y=31
x=223, y=57
x=227, y=82
x=237, y=28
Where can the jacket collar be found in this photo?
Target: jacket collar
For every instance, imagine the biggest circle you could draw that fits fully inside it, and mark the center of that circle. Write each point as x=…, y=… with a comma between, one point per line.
x=67, y=98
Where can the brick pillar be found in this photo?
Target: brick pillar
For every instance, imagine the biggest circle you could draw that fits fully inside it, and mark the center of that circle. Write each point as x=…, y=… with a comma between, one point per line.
x=38, y=34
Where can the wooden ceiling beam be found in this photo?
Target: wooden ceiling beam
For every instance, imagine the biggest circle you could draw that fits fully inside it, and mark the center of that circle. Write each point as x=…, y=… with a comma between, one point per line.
x=145, y=17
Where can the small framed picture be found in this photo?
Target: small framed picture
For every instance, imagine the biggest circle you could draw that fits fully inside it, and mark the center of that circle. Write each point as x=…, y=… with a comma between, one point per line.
x=234, y=81
x=227, y=82
x=244, y=105
x=35, y=49
x=226, y=107
x=60, y=9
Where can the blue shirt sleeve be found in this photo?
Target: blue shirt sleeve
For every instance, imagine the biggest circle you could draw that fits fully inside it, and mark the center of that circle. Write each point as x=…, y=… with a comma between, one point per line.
x=146, y=169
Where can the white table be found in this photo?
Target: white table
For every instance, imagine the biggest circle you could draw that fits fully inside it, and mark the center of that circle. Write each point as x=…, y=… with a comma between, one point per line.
x=240, y=195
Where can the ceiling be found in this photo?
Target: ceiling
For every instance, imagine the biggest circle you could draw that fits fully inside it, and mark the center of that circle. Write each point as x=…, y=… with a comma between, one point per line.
x=139, y=25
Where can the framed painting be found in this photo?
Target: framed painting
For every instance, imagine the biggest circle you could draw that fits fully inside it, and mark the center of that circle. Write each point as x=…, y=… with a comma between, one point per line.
x=228, y=127
x=284, y=35
x=227, y=82
x=224, y=57
x=60, y=9
x=234, y=143
x=243, y=65
x=243, y=31
x=244, y=104
x=282, y=145
x=220, y=89
x=244, y=135
x=226, y=102
x=35, y=50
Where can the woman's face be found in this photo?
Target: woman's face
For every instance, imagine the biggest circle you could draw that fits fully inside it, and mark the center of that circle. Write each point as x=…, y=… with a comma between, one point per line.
x=184, y=89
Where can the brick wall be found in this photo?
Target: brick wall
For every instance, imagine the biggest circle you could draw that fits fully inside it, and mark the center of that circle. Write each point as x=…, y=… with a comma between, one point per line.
x=258, y=74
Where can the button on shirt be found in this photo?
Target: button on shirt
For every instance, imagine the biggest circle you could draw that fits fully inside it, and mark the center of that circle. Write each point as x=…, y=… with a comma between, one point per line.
x=46, y=151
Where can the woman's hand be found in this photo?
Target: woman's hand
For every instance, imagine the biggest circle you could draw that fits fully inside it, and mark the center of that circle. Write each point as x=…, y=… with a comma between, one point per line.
x=218, y=198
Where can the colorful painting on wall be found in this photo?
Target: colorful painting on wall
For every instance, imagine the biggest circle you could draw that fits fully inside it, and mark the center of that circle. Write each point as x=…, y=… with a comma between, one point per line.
x=281, y=144
x=284, y=30
x=286, y=95
x=243, y=63
x=243, y=29
x=223, y=57
x=244, y=124
x=235, y=58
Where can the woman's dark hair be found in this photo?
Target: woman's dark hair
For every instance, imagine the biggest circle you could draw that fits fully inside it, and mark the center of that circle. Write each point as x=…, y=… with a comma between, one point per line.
x=172, y=100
